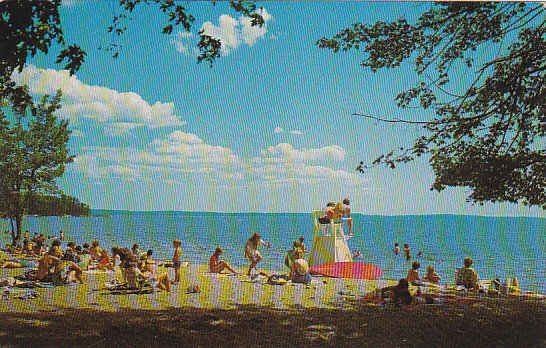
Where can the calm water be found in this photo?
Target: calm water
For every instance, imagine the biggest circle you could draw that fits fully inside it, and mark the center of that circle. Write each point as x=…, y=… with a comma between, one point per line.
x=500, y=247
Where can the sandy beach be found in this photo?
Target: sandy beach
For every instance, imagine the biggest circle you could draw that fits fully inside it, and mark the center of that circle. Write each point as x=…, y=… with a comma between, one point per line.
x=221, y=291
x=235, y=310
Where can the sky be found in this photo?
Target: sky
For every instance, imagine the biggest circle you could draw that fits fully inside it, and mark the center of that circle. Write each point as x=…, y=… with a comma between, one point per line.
x=269, y=128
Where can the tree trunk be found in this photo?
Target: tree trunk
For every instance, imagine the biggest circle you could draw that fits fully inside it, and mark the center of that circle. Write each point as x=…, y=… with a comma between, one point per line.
x=12, y=232
x=19, y=225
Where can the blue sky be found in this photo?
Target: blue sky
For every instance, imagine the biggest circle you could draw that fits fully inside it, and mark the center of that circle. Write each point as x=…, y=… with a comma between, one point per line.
x=267, y=129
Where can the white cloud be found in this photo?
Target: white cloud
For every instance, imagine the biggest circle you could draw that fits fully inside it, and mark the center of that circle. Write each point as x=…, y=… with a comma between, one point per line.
x=182, y=42
x=226, y=31
x=250, y=34
x=188, y=145
x=179, y=157
x=296, y=132
x=287, y=151
x=121, y=128
x=231, y=32
x=277, y=130
x=282, y=163
x=122, y=109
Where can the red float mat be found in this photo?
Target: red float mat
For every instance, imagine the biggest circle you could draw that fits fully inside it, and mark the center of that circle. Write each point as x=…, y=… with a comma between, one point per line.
x=354, y=270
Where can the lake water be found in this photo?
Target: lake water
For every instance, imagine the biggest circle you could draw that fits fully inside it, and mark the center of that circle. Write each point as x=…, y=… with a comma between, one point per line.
x=500, y=246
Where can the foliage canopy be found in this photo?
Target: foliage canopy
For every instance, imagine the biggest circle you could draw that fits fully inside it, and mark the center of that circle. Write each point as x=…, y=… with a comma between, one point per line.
x=31, y=26
x=489, y=135
x=33, y=153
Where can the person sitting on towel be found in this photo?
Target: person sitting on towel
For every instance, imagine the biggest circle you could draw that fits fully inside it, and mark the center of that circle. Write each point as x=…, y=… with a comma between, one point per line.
x=217, y=266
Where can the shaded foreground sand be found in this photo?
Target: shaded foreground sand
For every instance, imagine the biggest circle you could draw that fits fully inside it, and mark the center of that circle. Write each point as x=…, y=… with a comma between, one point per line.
x=233, y=311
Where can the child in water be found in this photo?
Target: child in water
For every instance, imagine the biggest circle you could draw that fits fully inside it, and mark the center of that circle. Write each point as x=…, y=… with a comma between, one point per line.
x=407, y=251
x=396, y=249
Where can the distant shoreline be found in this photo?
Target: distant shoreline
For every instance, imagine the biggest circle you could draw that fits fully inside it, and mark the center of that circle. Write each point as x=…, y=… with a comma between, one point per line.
x=102, y=212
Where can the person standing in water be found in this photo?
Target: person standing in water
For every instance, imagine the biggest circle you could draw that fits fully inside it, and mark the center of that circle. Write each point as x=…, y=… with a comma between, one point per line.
x=251, y=250
x=407, y=252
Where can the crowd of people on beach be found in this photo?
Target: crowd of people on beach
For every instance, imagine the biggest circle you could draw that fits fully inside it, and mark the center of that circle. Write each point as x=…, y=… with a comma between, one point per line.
x=57, y=265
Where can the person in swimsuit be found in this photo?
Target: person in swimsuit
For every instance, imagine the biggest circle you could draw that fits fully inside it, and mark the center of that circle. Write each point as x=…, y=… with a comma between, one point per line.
x=432, y=276
x=347, y=215
x=467, y=276
x=251, y=250
x=67, y=272
x=27, y=248
x=46, y=263
x=329, y=213
x=300, y=269
x=105, y=261
x=398, y=293
x=95, y=251
x=407, y=251
x=216, y=266
x=413, y=274
x=177, y=262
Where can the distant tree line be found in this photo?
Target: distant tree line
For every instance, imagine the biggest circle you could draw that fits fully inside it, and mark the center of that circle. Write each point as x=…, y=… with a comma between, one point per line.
x=46, y=205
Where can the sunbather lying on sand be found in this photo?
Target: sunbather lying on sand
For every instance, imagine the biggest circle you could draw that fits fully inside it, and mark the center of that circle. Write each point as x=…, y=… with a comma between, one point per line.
x=400, y=295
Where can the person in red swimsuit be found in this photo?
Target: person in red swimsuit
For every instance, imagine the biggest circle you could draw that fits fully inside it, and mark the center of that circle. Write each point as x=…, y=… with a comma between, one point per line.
x=217, y=266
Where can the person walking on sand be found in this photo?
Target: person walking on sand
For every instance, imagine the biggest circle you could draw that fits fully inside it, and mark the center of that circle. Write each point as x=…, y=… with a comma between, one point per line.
x=251, y=250
x=217, y=266
x=177, y=262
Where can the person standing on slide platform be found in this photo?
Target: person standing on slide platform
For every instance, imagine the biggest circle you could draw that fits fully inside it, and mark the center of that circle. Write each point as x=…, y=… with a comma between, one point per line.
x=347, y=215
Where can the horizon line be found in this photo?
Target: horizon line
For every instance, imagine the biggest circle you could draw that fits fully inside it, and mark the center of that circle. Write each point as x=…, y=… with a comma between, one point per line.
x=363, y=214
